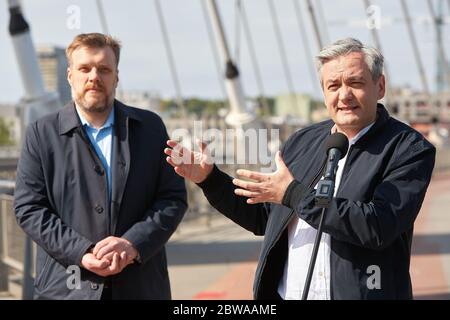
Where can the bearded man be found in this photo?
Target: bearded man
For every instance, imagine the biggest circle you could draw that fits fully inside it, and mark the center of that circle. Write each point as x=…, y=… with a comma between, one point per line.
x=93, y=188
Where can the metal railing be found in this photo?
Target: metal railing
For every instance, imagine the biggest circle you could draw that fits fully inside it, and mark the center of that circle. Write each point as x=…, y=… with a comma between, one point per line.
x=16, y=253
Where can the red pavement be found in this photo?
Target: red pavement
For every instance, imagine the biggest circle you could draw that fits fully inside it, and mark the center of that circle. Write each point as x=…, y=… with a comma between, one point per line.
x=235, y=285
x=428, y=272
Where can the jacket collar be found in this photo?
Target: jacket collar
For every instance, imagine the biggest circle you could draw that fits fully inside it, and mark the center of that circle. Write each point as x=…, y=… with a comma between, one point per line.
x=382, y=118
x=69, y=120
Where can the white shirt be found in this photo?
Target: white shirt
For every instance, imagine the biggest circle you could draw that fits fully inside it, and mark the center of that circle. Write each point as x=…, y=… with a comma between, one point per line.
x=301, y=238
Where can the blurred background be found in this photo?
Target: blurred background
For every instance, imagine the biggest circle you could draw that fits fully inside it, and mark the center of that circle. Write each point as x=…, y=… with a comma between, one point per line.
x=227, y=64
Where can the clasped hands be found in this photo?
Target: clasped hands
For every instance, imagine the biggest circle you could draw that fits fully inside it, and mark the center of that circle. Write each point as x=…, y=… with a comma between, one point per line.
x=109, y=256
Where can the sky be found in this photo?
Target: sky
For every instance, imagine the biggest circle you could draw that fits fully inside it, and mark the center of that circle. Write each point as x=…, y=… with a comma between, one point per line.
x=144, y=64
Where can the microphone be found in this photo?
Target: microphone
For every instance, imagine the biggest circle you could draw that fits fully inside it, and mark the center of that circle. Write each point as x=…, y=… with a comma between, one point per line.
x=337, y=146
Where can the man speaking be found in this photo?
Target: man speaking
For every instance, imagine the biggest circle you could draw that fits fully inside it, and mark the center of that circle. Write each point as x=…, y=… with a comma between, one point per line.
x=380, y=184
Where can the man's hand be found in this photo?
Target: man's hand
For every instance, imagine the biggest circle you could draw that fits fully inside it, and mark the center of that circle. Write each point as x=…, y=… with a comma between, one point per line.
x=109, y=256
x=195, y=166
x=108, y=247
x=104, y=267
x=269, y=187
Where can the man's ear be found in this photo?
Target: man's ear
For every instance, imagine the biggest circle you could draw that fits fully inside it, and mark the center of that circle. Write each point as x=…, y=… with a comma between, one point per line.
x=381, y=86
x=69, y=76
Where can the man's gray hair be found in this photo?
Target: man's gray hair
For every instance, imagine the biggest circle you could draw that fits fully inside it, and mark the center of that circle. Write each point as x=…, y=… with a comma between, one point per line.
x=372, y=56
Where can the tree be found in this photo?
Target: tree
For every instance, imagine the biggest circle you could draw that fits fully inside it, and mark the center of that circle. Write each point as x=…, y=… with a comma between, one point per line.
x=5, y=133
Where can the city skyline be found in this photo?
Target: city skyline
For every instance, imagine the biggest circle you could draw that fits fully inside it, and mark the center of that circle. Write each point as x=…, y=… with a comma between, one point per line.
x=144, y=63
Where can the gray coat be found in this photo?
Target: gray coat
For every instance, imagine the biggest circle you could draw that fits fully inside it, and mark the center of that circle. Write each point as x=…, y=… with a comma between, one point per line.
x=61, y=201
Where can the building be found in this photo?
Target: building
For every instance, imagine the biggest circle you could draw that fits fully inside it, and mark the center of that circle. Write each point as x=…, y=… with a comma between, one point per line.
x=300, y=106
x=140, y=99
x=419, y=107
x=53, y=64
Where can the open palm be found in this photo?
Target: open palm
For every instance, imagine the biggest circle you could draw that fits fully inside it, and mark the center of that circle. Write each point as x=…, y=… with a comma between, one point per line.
x=192, y=165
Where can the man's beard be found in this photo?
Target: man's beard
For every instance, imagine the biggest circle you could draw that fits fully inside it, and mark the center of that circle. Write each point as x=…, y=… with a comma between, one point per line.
x=100, y=106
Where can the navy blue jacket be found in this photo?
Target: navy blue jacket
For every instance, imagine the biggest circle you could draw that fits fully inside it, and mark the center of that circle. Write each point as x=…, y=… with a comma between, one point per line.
x=370, y=220
x=61, y=201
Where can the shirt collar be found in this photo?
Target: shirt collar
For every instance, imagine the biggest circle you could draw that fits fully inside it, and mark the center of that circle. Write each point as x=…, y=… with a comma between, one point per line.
x=358, y=135
x=108, y=123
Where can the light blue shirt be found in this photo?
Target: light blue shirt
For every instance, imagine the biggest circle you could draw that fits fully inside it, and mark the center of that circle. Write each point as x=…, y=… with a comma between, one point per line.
x=102, y=141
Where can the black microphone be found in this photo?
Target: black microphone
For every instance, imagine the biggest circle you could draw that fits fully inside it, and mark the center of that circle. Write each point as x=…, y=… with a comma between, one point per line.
x=336, y=145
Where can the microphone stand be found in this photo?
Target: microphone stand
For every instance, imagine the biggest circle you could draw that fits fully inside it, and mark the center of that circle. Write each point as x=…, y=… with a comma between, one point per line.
x=312, y=262
x=324, y=194
x=337, y=145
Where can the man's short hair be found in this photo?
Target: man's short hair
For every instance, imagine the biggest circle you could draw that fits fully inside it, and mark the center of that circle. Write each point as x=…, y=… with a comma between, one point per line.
x=343, y=47
x=93, y=40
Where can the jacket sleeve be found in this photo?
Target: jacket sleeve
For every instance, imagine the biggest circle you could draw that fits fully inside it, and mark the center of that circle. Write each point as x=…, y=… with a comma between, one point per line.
x=33, y=210
x=219, y=190
x=392, y=210
x=150, y=234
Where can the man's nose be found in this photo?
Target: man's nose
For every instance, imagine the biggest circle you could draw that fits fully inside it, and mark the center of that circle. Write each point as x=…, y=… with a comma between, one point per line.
x=94, y=75
x=345, y=93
